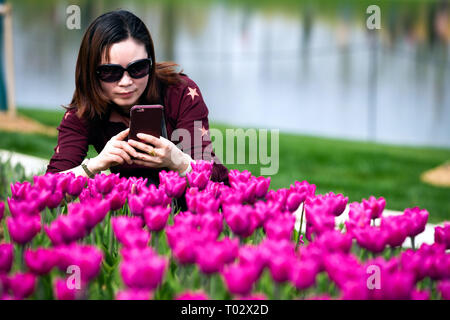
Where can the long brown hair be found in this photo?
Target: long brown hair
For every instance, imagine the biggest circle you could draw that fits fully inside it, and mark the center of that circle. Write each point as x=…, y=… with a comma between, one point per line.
x=103, y=32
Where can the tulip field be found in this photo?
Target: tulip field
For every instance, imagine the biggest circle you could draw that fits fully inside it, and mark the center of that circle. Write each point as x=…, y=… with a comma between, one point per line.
x=67, y=237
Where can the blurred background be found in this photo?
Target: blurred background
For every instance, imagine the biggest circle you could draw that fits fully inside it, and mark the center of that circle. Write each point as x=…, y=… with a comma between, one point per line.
x=361, y=112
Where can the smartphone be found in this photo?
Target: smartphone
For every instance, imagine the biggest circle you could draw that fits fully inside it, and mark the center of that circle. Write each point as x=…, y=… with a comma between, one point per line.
x=146, y=119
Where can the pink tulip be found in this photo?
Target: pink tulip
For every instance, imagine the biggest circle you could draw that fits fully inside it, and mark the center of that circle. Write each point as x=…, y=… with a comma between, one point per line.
x=66, y=229
x=6, y=257
x=47, y=181
x=442, y=234
x=397, y=285
x=229, y=196
x=188, y=295
x=211, y=221
x=54, y=199
x=230, y=249
x=374, y=206
x=63, y=181
x=279, y=196
x=252, y=255
x=303, y=274
x=147, y=272
x=22, y=228
x=19, y=190
x=116, y=200
x=123, y=225
x=201, y=202
x=293, y=201
x=354, y=290
x=342, y=268
x=239, y=279
x=416, y=220
x=280, y=227
x=105, y=183
x=358, y=218
x=444, y=289
x=136, y=238
x=319, y=217
x=420, y=295
x=184, y=251
x=76, y=186
x=262, y=186
x=92, y=212
x=156, y=218
x=411, y=261
x=134, y=294
x=305, y=189
x=40, y=261
x=240, y=219
x=155, y=197
x=172, y=183
x=203, y=166
x=396, y=229
x=2, y=210
x=87, y=257
x=198, y=179
x=210, y=257
x=371, y=238
x=136, y=203
x=236, y=176
x=22, y=285
x=62, y=291
x=334, y=241
x=280, y=267
x=28, y=208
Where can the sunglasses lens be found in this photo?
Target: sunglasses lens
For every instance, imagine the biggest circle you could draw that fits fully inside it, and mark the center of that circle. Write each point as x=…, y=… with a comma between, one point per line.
x=139, y=69
x=110, y=73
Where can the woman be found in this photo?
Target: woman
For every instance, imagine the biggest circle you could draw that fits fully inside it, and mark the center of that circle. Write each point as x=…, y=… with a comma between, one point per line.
x=115, y=70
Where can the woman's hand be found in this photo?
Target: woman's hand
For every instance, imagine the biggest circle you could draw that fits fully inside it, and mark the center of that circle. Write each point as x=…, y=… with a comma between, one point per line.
x=164, y=155
x=115, y=152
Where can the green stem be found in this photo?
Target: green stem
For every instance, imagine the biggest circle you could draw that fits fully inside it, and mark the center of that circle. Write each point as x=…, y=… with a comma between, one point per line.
x=21, y=257
x=276, y=291
x=413, y=243
x=301, y=224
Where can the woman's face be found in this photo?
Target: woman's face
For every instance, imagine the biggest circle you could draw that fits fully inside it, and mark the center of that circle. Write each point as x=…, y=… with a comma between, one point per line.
x=124, y=53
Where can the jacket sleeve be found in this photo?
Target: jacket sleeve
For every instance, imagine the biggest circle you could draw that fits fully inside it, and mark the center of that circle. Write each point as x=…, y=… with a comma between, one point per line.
x=193, y=117
x=72, y=144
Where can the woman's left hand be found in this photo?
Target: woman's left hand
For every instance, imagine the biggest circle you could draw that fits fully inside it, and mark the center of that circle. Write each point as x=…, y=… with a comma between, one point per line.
x=165, y=154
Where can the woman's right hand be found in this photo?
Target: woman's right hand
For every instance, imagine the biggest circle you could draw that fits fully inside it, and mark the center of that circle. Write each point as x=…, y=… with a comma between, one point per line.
x=116, y=152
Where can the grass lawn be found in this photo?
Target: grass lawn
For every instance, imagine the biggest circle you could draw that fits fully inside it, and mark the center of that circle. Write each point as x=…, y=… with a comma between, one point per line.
x=356, y=169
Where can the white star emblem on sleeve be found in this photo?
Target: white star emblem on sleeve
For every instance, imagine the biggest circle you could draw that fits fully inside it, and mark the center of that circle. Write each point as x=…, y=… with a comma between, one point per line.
x=192, y=92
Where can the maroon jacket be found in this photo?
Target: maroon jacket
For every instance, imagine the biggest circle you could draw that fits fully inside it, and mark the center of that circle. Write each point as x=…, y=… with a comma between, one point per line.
x=183, y=104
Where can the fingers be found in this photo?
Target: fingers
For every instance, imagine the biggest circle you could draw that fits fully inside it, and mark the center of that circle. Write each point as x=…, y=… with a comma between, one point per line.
x=151, y=139
x=147, y=158
x=121, y=135
x=116, y=160
x=121, y=153
x=141, y=146
x=126, y=147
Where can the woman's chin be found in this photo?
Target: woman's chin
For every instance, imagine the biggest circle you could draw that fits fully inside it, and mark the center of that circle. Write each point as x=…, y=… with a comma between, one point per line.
x=125, y=103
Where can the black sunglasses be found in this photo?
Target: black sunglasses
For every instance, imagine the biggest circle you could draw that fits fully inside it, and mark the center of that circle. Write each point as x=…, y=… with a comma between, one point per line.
x=114, y=72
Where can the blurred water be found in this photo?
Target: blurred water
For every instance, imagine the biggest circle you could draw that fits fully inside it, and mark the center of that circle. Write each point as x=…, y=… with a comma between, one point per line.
x=296, y=71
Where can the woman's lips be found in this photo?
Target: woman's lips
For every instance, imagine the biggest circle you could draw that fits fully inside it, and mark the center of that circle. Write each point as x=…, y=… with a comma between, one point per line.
x=126, y=95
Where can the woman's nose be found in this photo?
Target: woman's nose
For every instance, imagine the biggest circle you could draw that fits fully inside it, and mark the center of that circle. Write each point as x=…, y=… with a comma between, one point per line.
x=126, y=80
